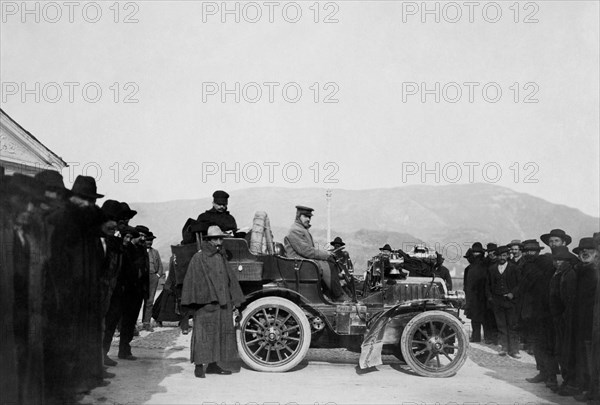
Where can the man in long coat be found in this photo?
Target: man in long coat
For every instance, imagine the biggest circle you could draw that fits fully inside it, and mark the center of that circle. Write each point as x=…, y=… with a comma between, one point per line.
x=534, y=291
x=562, y=296
x=299, y=244
x=475, y=278
x=212, y=290
x=587, y=278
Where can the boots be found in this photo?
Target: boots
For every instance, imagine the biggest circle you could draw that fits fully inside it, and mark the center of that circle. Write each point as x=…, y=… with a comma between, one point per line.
x=199, y=371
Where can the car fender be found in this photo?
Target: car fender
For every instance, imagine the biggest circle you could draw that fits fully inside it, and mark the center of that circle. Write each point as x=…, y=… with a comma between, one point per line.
x=386, y=327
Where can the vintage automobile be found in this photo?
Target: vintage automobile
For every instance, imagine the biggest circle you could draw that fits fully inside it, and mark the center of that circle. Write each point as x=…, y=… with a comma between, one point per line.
x=286, y=312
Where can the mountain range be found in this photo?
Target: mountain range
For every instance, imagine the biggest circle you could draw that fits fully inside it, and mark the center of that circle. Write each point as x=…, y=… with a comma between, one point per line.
x=448, y=218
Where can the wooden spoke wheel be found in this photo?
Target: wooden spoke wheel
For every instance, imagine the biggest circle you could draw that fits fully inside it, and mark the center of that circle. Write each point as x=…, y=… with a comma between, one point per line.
x=274, y=335
x=434, y=344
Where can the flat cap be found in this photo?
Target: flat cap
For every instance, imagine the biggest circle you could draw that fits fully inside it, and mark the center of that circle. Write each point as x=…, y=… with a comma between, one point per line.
x=220, y=197
x=142, y=229
x=302, y=210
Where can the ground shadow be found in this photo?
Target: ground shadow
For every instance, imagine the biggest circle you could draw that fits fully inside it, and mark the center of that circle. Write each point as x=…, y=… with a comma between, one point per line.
x=514, y=372
x=136, y=381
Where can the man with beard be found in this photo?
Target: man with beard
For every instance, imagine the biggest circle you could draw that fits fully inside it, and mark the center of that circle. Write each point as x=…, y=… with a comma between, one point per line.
x=556, y=237
x=475, y=278
x=212, y=290
x=562, y=296
x=501, y=292
x=534, y=291
x=217, y=215
x=585, y=296
x=299, y=244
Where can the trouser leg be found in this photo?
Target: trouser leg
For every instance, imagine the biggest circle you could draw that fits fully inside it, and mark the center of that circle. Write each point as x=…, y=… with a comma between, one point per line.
x=500, y=316
x=490, y=331
x=149, y=302
x=113, y=316
x=513, y=335
x=476, y=335
x=131, y=309
x=332, y=281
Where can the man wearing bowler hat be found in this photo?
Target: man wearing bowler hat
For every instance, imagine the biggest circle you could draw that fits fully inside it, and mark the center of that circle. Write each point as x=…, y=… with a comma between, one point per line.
x=217, y=215
x=299, y=244
x=501, y=291
x=516, y=252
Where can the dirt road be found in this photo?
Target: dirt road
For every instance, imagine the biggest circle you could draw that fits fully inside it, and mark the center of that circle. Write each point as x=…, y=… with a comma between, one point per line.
x=164, y=375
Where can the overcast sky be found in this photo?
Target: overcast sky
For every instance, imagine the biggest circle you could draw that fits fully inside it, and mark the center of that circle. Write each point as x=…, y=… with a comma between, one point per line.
x=367, y=115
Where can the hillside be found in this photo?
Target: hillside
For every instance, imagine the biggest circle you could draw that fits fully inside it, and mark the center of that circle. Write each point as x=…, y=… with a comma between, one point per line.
x=449, y=218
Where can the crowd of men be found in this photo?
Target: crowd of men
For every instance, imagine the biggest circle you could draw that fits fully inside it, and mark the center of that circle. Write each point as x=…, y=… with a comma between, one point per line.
x=71, y=273
x=548, y=303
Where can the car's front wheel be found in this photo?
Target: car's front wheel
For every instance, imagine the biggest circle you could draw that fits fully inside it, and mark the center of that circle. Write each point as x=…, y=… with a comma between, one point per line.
x=434, y=344
x=274, y=335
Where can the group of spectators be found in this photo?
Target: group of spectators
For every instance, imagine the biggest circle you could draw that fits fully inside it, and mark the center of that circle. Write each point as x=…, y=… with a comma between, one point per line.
x=70, y=274
x=547, y=302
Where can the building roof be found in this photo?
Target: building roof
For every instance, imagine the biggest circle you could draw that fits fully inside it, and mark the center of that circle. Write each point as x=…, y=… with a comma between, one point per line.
x=33, y=138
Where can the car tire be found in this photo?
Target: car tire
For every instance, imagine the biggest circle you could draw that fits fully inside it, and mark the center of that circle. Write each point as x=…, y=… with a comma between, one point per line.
x=434, y=344
x=274, y=335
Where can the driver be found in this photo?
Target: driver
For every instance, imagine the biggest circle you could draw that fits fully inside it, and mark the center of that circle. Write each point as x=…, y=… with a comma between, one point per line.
x=299, y=244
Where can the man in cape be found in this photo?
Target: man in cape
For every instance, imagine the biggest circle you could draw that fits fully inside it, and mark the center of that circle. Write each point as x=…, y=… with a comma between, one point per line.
x=212, y=291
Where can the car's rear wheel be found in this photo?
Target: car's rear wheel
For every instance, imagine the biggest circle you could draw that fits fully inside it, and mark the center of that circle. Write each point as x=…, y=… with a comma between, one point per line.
x=434, y=344
x=274, y=335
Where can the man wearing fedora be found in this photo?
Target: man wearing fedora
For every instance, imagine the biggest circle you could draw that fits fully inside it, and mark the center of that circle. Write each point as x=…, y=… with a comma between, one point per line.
x=501, y=293
x=155, y=273
x=121, y=300
x=556, y=237
x=75, y=350
x=475, y=278
x=584, y=318
x=211, y=289
x=299, y=244
x=217, y=215
x=562, y=297
x=534, y=292
x=342, y=256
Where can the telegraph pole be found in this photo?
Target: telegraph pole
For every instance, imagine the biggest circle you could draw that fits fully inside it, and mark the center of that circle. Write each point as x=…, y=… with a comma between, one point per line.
x=328, y=196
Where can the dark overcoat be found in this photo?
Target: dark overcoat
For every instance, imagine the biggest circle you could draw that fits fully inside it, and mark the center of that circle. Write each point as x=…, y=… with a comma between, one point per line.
x=75, y=323
x=211, y=289
x=534, y=287
x=8, y=355
x=474, y=285
x=223, y=220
